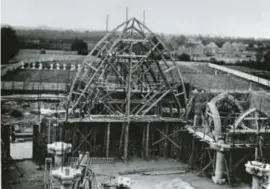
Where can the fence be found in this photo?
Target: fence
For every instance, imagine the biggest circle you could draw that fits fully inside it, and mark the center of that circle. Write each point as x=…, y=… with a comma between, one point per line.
x=243, y=75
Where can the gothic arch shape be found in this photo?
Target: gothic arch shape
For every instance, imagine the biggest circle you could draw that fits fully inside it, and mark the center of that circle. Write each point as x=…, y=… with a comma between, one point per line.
x=129, y=61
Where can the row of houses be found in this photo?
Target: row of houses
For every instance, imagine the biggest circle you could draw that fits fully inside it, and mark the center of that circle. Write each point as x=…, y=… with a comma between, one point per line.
x=227, y=49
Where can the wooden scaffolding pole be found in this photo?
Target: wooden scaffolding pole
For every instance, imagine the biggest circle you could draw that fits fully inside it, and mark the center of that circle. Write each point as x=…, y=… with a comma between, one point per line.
x=121, y=138
x=165, y=153
x=108, y=140
x=143, y=143
x=126, y=141
x=127, y=113
x=147, y=141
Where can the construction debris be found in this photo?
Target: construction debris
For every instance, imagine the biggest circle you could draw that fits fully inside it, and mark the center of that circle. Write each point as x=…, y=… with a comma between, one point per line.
x=164, y=173
x=143, y=170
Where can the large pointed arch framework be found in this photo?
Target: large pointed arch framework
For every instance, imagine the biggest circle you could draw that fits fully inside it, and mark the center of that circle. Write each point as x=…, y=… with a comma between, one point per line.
x=127, y=75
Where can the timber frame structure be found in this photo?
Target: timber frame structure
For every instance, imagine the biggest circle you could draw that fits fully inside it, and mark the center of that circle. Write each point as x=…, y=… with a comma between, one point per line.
x=128, y=77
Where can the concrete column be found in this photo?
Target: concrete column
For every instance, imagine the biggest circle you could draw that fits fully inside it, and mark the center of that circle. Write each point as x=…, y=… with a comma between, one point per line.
x=219, y=170
x=258, y=170
x=218, y=178
x=64, y=66
x=66, y=176
x=58, y=149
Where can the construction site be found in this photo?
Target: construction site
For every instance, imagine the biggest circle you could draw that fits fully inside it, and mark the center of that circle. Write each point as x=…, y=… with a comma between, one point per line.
x=129, y=116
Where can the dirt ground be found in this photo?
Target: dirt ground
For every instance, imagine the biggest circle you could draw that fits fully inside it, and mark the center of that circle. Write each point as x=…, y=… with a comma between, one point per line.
x=33, y=178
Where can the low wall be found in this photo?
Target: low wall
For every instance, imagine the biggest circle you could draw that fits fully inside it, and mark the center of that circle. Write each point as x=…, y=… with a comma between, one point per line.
x=243, y=75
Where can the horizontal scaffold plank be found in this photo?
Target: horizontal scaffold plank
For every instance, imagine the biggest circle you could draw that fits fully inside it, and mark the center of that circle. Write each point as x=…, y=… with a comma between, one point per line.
x=121, y=119
x=135, y=40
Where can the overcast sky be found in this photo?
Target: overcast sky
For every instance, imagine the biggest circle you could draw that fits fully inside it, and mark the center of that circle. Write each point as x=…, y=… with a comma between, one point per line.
x=245, y=18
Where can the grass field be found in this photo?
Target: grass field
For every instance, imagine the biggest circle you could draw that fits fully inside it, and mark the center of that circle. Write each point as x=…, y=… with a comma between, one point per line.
x=34, y=54
x=200, y=75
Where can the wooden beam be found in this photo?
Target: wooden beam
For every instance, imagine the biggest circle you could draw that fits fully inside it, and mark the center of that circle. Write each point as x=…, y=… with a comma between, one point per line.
x=126, y=141
x=108, y=139
x=85, y=139
x=168, y=138
x=165, y=153
x=121, y=138
x=177, y=131
x=127, y=109
x=134, y=40
x=143, y=150
x=147, y=140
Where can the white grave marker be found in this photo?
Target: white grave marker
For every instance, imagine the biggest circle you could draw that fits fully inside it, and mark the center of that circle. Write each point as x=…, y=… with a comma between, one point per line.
x=40, y=66
x=72, y=67
x=58, y=66
x=22, y=65
x=33, y=65
x=79, y=67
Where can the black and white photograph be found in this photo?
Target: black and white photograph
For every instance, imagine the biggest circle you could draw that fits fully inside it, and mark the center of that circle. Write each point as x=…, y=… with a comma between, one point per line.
x=135, y=94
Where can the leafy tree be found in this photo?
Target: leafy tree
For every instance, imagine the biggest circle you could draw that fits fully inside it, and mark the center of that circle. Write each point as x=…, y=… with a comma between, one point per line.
x=184, y=57
x=9, y=44
x=80, y=46
x=259, y=56
x=266, y=61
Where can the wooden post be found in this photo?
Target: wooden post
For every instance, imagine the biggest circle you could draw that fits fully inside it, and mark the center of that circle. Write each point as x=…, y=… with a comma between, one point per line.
x=5, y=136
x=143, y=143
x=147, y=141
x=49, y=132
x=121, y=138
x=152, y=139
x=192, y=157
x=74, y=138
x=126, y=142
x=108, y=139
x=165, y=154
x=95, y=138
x=127, y=108
x=35, y=142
